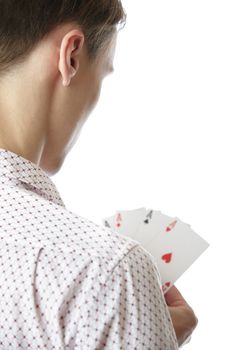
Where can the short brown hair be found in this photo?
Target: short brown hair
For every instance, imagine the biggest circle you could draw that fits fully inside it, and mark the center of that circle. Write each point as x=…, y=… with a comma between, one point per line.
x=25, y=22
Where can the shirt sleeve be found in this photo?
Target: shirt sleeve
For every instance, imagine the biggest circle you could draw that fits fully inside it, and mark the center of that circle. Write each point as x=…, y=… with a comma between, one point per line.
x=130, y=312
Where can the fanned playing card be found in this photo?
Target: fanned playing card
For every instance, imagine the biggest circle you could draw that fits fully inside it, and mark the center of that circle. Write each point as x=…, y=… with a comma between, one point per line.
x=126, y=221
x=170, y=241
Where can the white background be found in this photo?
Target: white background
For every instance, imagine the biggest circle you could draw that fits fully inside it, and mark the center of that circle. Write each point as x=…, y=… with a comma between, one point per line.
x=161, y=137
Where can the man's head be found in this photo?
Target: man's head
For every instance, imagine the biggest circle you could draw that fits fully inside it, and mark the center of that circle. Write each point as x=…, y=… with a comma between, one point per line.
x=54, y=56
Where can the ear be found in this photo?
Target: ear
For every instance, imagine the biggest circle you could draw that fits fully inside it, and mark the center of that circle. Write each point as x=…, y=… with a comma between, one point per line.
x=71, y=45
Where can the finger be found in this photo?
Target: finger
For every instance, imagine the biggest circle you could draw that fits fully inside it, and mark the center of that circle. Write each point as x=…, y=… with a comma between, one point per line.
x=174, y=298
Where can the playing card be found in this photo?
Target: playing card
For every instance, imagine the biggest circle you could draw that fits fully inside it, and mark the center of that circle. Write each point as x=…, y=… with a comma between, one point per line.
x=152, y=224
x=126, y=221
x=175, y=250
x=173, y=245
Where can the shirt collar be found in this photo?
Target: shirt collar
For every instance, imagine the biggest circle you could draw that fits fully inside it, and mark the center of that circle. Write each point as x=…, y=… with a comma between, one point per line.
x=17, y=167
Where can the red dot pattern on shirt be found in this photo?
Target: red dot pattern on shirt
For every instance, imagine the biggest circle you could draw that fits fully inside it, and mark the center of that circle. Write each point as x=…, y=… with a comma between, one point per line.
x=66, y=282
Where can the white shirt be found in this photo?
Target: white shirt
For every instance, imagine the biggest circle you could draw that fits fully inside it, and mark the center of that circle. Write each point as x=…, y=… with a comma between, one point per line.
x=66, y=282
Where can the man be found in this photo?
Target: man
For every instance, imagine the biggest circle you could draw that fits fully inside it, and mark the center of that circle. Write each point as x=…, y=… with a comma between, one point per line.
x=65, y=282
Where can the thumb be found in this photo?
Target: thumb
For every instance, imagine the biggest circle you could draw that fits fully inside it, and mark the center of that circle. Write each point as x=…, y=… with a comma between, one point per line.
x=174, y=298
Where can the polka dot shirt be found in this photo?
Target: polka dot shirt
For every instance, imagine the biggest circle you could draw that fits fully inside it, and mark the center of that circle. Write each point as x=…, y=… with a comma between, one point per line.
x=66, y=282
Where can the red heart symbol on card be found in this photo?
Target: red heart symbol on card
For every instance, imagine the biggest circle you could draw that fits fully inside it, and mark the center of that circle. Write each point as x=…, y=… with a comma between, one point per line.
x=166, y=286
x=167, y=257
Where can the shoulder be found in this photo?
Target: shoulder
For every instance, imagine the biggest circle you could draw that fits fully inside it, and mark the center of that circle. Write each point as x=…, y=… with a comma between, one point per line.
x=68, y=237
x=40, y=222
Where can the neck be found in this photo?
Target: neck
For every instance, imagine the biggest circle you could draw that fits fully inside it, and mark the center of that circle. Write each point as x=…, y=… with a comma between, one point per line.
x=23, y=116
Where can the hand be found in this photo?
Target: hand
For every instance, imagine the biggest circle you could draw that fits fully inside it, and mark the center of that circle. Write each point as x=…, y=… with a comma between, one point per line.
x=182, y=315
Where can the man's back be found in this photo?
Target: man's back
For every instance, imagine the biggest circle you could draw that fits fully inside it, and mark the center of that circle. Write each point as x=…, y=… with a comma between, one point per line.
x=66, y=282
